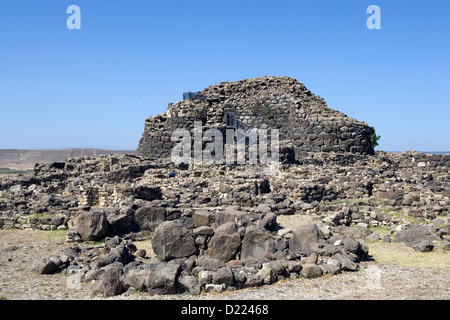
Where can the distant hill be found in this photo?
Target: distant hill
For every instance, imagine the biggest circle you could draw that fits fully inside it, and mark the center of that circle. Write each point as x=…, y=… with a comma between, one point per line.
x=16, y=159
x=437, y=152
x=427, y=152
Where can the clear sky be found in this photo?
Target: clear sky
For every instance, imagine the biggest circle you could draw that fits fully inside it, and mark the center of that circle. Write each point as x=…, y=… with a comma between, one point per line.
x=95, y=86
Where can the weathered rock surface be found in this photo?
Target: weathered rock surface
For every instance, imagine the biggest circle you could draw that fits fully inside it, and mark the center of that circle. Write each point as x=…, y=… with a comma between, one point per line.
x=305, y=121
x=225, y=243
x=416, y=234
x=306, y=239
x=148, y=218
x=110, y=280
x=256, y=243
x=92, y=225
x=171, y=240
x=311, y=271
x=164, y=279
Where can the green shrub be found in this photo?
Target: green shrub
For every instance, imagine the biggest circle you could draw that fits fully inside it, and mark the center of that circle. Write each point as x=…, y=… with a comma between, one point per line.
x=270, y=113
x=374, y=138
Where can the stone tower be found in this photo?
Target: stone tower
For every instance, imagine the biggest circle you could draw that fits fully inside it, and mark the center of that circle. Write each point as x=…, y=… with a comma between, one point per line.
x=304, y=121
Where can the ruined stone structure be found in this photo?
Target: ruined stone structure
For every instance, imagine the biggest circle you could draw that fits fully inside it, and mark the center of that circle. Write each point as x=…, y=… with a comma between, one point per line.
x=222, y=227
x=304, y=121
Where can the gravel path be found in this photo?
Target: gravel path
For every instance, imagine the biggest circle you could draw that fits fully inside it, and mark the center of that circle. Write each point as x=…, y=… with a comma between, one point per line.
x=18, y=250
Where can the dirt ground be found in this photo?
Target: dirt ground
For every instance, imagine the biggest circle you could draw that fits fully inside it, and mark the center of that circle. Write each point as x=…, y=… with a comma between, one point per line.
x=385, y=279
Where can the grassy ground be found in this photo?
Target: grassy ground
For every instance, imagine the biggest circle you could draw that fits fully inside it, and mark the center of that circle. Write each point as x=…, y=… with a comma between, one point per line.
x=401, y=255
x=389, y=253
x=13, y=172
x=147, y=246
x=56, y=235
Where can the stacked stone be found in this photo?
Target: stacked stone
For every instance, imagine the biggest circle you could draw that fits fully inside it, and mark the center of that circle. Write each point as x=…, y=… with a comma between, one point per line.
x=304, y=120
x=229, y=213
x=412, y=181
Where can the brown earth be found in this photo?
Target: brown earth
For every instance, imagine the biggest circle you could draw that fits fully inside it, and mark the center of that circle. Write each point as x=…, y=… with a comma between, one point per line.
x=385, y=279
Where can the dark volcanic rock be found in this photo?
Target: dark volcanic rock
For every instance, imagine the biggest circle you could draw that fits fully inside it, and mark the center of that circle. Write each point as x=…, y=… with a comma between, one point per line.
x=45, y=266
x=110, y=281
x=353, y=232
x=416, y=234
x=164, y=279
x=311, y=271
x=92, y=225
x=256, y=243
x=148, y=193
x=423, y=246
x=121, y=224
x=171, y=240
x=305, y=239
x=147, y=218
x=225, y=242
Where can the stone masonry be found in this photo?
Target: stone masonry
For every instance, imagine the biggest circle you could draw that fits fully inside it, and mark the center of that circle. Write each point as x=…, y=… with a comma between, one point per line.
x=304, y=121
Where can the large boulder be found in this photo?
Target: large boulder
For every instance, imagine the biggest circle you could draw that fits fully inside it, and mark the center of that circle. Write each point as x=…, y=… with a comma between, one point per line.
x=353, y=232
x=120, y=224
x=121, y=253
x=110, y=280
x=305, y=239
x=228, y=214
x=225, y=243
x=423, y=246
x=256, y=243
x=135, y=278
x=269, y=221
x=203, y=218
x=346, y=262
x=164, y=279
x=416, y=234
x=311, y=271
x=353, y=246
x=224, y=275
x=149, y=217
x=46, y=266
x=171, y=240
x=189, y=283
x=92, y=225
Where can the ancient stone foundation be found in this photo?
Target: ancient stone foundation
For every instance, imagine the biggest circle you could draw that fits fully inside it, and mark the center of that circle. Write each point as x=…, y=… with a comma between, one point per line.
x=218, y=227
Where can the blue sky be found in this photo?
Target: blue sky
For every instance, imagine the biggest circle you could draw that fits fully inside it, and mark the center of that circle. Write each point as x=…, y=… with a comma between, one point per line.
x=95, y=86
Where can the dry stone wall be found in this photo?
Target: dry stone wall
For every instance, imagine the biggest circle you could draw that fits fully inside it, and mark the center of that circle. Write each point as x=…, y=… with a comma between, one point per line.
x=304, y=120
x=221, y=227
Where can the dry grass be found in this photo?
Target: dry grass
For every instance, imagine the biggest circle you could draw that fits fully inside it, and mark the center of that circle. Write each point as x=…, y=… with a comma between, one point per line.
x=293, y=221
x=401, y=255
x=147, y=246
x=20, y=249
x=58, y=236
